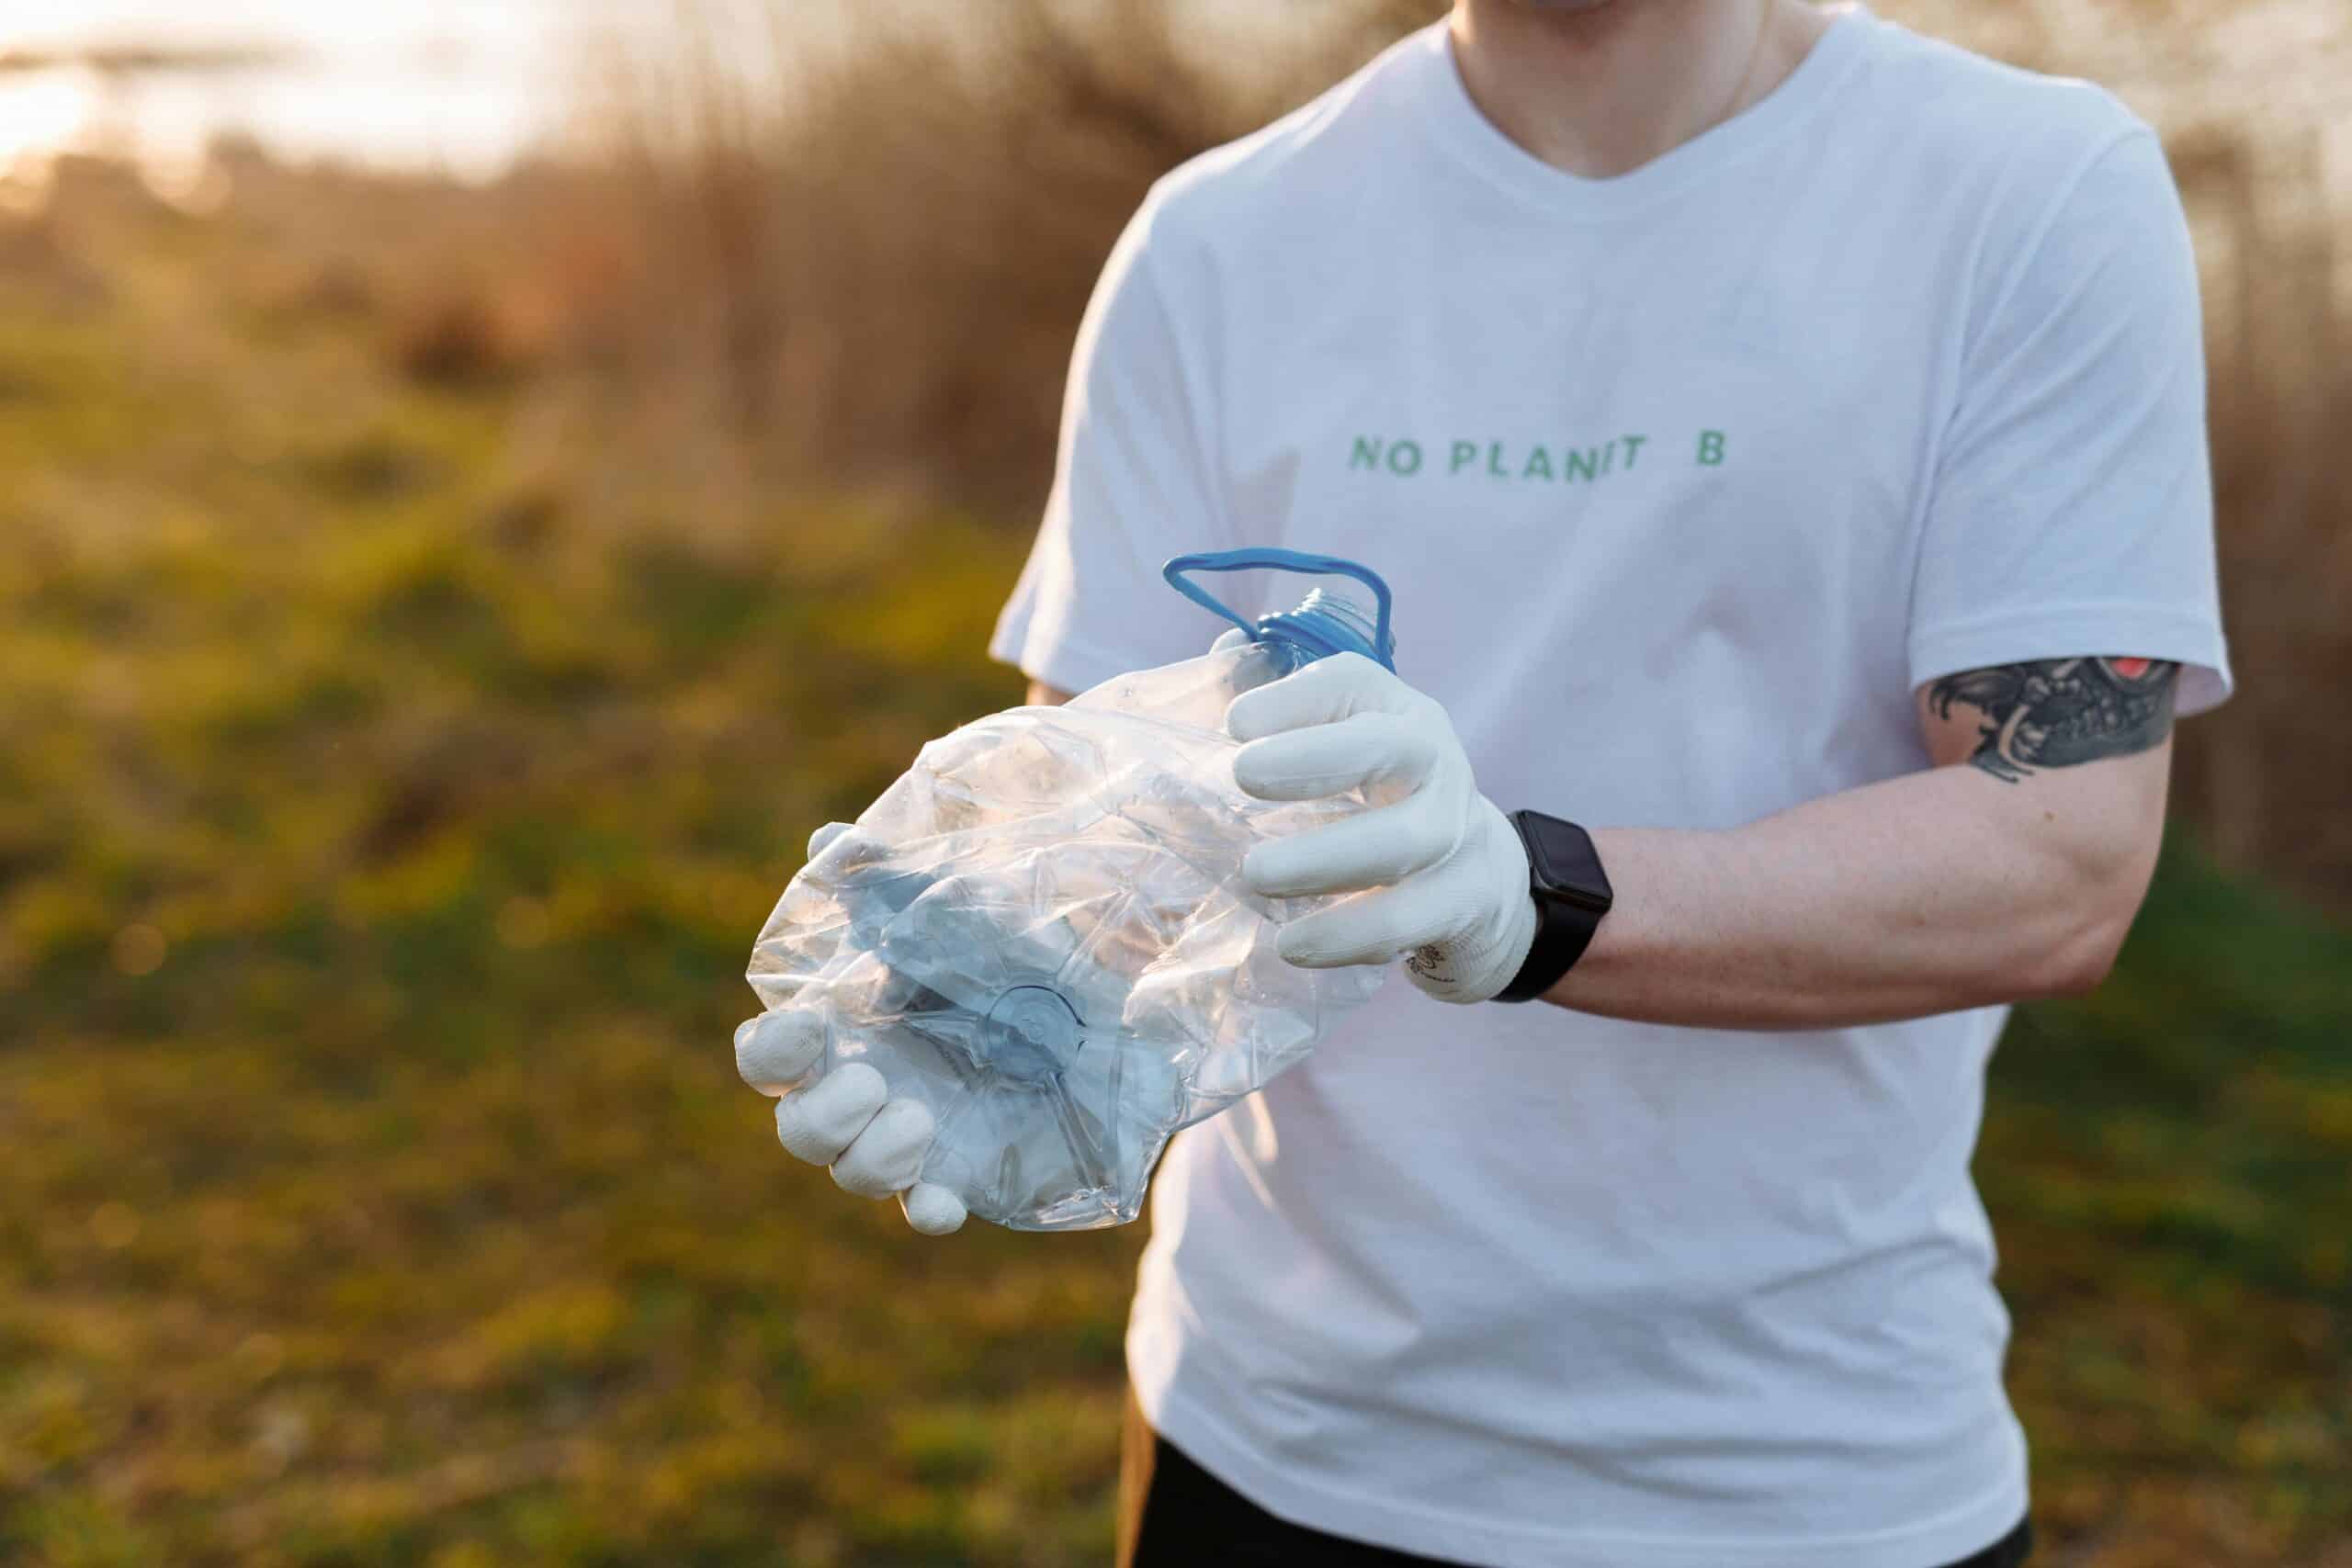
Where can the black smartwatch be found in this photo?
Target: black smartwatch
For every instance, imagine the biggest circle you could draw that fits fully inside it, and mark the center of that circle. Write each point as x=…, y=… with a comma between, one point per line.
x=1571, y=893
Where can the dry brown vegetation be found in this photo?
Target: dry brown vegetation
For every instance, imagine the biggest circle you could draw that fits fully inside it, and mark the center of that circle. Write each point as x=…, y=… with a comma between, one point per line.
x=876, y=269
x=864, y=264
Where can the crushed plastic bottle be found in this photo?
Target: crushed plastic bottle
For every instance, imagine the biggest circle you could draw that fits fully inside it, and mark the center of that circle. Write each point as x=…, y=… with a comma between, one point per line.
x=1041, y=931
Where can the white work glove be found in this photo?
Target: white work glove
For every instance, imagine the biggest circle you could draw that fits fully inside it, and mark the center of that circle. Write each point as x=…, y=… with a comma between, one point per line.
x=845, y=1118
x=1435, y=869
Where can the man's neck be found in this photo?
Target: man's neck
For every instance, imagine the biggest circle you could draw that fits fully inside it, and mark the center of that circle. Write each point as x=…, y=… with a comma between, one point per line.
x=1599, y=89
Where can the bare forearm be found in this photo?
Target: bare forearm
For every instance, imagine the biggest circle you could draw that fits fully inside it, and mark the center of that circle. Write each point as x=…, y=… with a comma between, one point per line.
x=1940, y=890
x=1041, y=696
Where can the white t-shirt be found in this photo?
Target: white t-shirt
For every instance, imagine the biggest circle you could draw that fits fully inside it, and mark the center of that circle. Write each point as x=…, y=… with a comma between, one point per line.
x=1686, y=482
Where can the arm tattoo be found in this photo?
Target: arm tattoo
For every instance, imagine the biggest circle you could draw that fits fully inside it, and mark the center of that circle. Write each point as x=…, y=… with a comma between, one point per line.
x=2053, y=713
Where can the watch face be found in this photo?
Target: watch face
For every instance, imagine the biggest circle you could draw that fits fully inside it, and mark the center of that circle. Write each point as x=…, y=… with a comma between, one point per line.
x=1564, y=861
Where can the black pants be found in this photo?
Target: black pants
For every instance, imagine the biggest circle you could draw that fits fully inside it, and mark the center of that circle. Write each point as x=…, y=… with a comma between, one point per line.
x=1189, y=1517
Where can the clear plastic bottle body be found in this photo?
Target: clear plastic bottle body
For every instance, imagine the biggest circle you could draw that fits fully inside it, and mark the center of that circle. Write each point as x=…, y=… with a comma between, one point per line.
x=1041, y=932
x=1194, y=693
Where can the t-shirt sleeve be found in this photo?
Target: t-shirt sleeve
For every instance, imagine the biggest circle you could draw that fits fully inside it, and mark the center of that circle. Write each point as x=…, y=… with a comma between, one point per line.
x=1133, y=485
x=2072, y=509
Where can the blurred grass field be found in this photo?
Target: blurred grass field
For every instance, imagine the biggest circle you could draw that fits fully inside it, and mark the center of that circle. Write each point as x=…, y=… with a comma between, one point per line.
x=397, y=758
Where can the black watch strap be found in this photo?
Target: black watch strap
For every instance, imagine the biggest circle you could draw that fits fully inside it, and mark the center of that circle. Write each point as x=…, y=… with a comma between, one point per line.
x=1571, y=893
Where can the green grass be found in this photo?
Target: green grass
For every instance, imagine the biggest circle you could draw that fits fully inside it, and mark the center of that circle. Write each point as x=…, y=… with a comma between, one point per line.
x=388, y=796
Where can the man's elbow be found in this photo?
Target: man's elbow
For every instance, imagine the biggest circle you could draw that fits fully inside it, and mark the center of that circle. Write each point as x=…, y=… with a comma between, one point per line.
x=2080, y=961
x=2097, y=914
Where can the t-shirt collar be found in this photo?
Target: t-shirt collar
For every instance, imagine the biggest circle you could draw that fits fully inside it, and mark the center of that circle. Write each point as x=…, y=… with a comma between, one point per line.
x=1470, y=135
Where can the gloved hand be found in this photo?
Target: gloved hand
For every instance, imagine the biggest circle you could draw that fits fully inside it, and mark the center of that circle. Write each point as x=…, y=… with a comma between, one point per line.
x=844, y=1119
x=1436, y=869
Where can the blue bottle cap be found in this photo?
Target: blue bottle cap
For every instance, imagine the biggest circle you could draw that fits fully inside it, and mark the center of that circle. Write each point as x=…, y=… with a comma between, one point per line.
x=1319, y=625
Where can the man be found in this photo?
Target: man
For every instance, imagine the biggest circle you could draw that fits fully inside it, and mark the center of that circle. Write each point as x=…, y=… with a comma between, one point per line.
x=1784, y=434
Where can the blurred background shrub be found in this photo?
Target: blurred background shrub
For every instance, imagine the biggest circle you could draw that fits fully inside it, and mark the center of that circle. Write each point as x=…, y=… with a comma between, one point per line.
x=445, y=581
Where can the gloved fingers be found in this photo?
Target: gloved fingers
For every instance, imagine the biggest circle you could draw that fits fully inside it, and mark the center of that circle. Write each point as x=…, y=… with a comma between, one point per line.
x=1232, y=638
x=1371, y=850
x=1478, y=960
x=1325, y=690
x=887, y=1155
x=776, y=1050
x=1371, y=927
x=931, y=1208
x=1385, y=755
x=824, y=836
x=819, y=1123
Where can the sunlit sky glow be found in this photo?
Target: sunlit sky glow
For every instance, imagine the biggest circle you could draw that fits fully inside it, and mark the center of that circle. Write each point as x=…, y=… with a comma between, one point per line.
x=465, y=85
x=461, y=86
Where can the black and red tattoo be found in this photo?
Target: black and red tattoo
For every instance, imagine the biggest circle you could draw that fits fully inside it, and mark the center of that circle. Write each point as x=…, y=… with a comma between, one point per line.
x=2055, y=713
